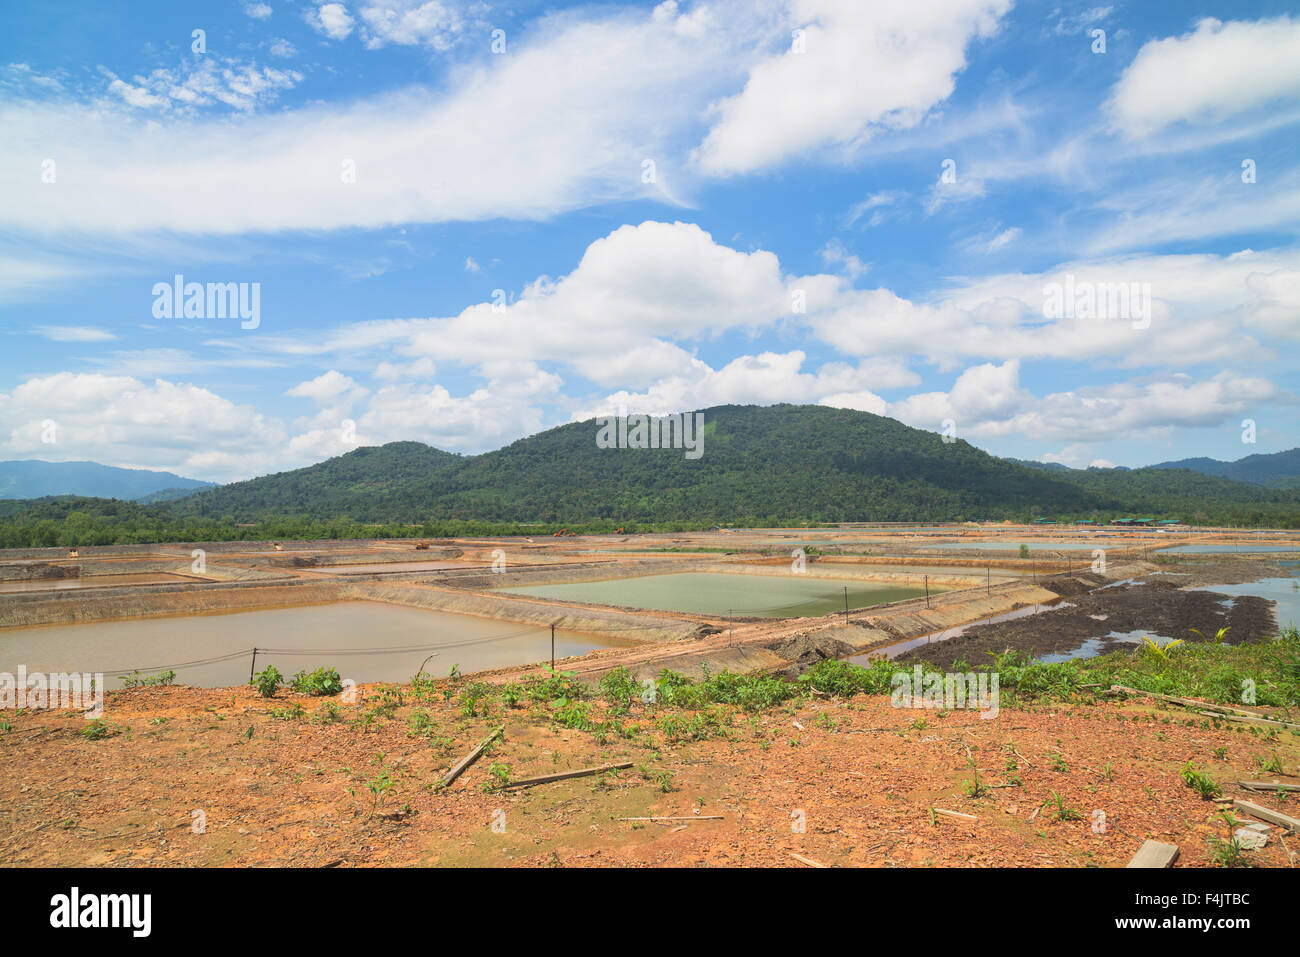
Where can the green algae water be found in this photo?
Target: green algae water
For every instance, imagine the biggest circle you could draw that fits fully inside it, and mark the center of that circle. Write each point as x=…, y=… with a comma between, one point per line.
x=716, y=593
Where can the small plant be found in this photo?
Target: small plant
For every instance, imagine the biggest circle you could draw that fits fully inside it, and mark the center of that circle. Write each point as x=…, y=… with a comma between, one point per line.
x=1218, y=635
x=498, y=774
x=95, y=730
x=379, y=786
x=1228, y=853
x=973, y=787
x=328, y=713
x=1058, y=763
x=1271, y=765
x=293, y=712
x=1063, y=812
x=1201, y=783
x=268, y=682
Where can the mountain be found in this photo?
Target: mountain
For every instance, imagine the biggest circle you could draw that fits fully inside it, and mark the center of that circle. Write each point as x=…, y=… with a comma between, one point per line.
x=760, y=464
x=769, y=465
x=32, y=478
x=1272, y=470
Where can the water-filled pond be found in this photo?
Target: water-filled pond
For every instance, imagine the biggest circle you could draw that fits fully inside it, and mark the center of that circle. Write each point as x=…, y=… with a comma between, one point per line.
x=365, y=641
x=709, y=593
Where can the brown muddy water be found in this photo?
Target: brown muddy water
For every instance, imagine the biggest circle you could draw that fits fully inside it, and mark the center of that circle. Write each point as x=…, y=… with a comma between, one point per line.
x=94, y=581
x=387, y=567
x=366, y=641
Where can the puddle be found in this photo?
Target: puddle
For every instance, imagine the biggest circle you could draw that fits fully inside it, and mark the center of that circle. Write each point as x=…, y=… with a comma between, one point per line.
x=1093, y=647
x=894, y=650
x=1284, y=591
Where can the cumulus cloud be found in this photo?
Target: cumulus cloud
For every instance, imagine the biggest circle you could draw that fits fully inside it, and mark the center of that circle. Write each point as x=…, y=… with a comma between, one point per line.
x=1205, y=76
x=853, y=69
x=987, y=401
x=121, y=420
x=331, y=19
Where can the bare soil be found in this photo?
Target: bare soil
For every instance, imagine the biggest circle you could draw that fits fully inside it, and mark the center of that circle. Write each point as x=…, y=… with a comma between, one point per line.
x=843, y=782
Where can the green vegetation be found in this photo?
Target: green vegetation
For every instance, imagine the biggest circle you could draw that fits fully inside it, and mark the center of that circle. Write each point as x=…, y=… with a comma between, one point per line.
x=268, y=682
x=322, y=681
x=137, y=680
x=761, y=466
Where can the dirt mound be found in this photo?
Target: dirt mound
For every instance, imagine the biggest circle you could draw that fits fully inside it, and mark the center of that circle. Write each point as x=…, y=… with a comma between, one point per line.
x=1067, y=586
x=804, y=651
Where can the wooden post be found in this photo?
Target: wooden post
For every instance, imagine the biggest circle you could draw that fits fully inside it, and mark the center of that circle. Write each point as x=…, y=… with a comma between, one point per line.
x=252, y=666
x=927, y=591
x=552, y=646
x=846, y=604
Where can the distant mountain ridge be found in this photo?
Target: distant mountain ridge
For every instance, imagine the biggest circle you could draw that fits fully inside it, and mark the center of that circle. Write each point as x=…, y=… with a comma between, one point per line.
x=1269, y=469
x=761, y=465
x=34, y=478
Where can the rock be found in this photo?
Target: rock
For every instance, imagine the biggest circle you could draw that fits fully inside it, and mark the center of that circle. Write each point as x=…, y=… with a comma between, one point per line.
x=1249, y=839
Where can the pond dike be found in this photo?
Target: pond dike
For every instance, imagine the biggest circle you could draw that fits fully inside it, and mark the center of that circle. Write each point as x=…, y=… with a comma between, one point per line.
x=255, y=590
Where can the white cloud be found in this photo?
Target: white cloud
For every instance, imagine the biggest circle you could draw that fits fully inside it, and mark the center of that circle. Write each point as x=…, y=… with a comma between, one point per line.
x=987, y=402
x=75, y=333
x=264, y=173
x=328, y=387
x=331, y=19
x=761, y=379
x=866, y=66
x=214, y=79
x=411, y=22
x=1205, y=76
x=258, y=11
x=120, y=420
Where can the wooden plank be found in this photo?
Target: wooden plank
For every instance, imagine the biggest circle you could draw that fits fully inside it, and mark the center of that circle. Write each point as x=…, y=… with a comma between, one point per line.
x=547, y=778
x=1268, y=814
x=1154, y=854
x=692, y=817
x=1268, y=786
x=806, y=860
x=1204, y=705
x=470, y=758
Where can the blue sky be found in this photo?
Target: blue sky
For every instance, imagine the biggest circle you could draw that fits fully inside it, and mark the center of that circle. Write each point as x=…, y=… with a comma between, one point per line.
x=467, y=222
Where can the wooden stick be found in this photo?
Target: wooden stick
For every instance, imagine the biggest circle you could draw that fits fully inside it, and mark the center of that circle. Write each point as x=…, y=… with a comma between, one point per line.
x=547, y=778
x=1265, y=814
x=693, y=817
x=957, y=814
x=806, y=860
x=470, y=758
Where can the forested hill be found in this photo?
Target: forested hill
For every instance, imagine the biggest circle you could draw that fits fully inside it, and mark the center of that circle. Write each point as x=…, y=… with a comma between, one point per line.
x=764, y=465
x=760, y=464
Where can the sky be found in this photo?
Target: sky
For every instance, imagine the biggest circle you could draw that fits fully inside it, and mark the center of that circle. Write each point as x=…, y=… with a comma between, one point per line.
x=1062, y=233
